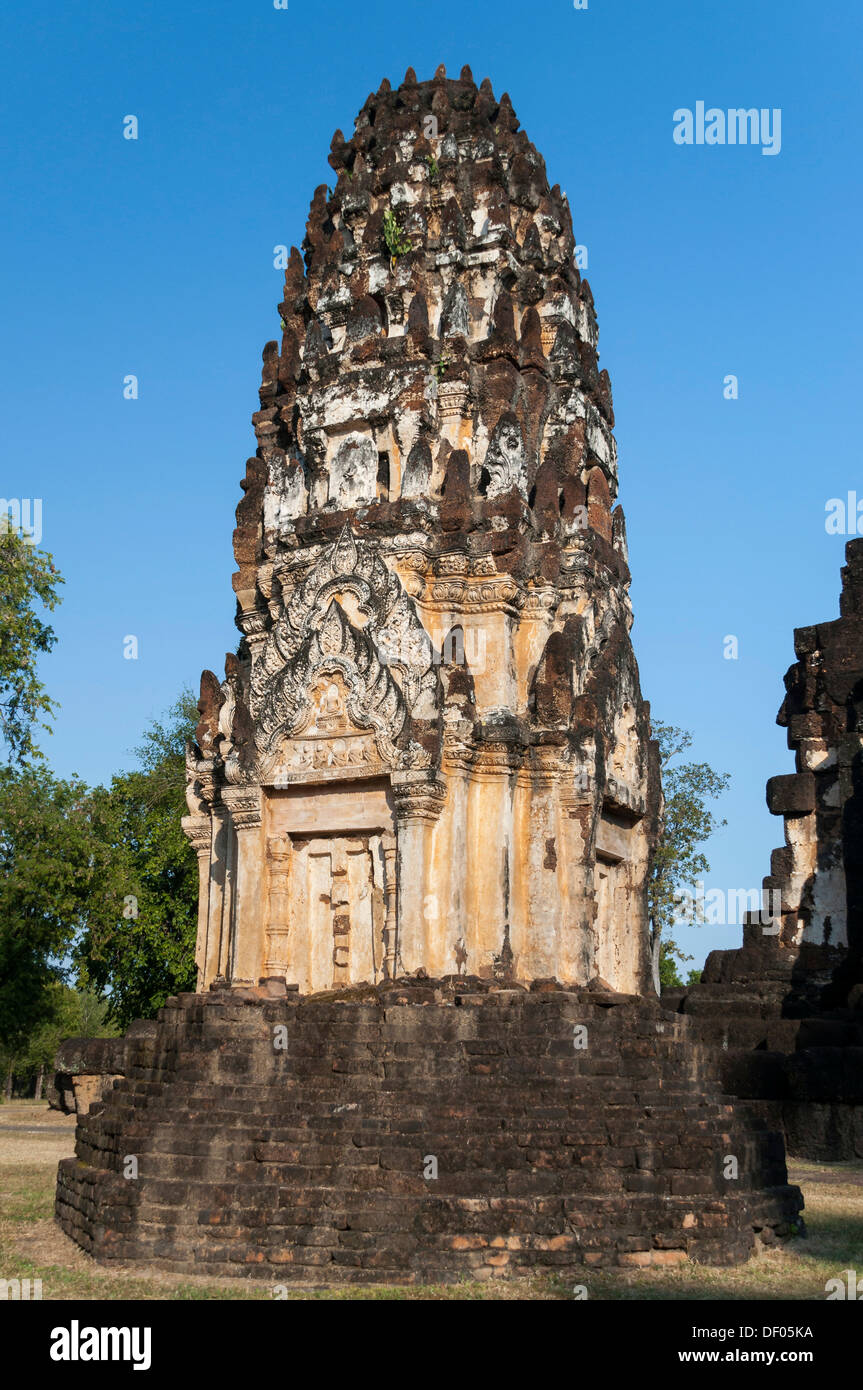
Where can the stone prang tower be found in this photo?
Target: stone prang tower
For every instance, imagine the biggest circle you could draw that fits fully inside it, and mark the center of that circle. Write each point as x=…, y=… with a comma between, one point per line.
x=430, y=751
x=423, y=798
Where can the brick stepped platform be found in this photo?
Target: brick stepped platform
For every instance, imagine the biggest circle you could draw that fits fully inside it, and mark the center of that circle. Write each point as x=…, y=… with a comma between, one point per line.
x=297, y=1139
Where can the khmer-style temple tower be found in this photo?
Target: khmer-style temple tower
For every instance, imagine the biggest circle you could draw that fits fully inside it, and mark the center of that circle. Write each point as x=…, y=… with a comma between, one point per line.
x=424, y=1044
x=430, y=751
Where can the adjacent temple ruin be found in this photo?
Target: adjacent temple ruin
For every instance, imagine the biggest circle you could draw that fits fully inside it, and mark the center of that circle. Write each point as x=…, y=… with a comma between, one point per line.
x=424, y=796
x=786, y=1009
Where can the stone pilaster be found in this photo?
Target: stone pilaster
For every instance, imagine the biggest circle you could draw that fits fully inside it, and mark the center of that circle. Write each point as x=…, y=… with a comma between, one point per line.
x=246, y=938
x=418, y=804
x=390, y=853
x=199, y=832
x=278, y=920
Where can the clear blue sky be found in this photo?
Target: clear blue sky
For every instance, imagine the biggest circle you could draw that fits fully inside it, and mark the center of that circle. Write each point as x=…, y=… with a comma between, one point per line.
x=155, y=257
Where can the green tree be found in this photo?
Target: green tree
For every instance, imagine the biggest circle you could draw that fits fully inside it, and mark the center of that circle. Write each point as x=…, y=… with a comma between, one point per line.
x=669, y=976
x=44, y=860
x=27, y=576
x=45, y=876
x=687, y=822
x=139, y=944
x=75, y=1013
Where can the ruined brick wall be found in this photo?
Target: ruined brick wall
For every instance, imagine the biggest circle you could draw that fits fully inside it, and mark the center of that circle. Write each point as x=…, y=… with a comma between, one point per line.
x=83, y=1069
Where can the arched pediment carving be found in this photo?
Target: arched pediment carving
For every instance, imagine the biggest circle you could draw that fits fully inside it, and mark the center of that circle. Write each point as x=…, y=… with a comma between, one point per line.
x=352, y=618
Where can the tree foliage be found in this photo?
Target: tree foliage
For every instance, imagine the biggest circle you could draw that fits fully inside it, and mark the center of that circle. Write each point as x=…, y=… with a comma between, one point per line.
x=687, y=822
x=103, y=880
x=45, y=874
x=139, y=944
x=27, y=576
x=74, y=1013
x=669, y=976
x=70, y=1013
